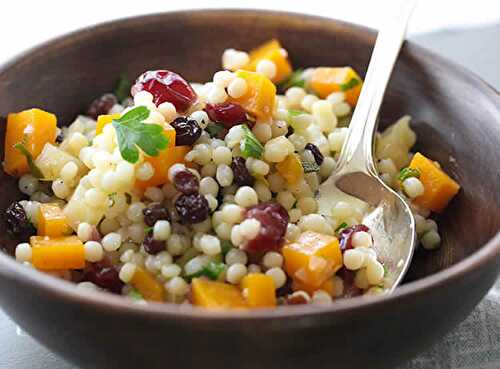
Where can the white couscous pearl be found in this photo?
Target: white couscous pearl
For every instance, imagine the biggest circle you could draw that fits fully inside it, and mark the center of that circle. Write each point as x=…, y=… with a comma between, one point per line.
x=84, y=231
x=336, y=97
x=60, y=189
x=203, y=226
x=278, y=276
x=324, y=116
x=223, y=230
x=295, y=96
x=327, y=167
x=144, y=171
x=262, y=132
x=210, y=245
x=234, y=136
x=237, y=88
x=69, y=171
x=109, y=225
x=235, y=273
x=413, y=187
x=294, y=215
x=308, y=101
x=171, y=271
x=336, y=139
x=263, y=192
x=222, y=155
x=307, y=205
x=168, y=111
x=23, y=252
x=176, y=244
x=361, y=280
x=134, y=211
x=272, y=259
x=232, y=213
x=216, y=95
x=154, y=194
x=224, y=175
x=341, y=109
x=430, y=240
x=93, y=251
x=254, y=268
x=209, y=186
x=362, y=239
x=87, y=286
x=353, y=259
x=267, y=68
x=236, y=236
x=222, y=78
x=77, y=142
x=279, y=128
x=161, y=230
x=172, y=171
x=338, y=286
x=143, y=97
x=125, y=171
x=201, y=118
x=277, y=149
x=233, y=59
x=286, y=199
x=209, y=170
x=127, y=272
x=315, y=223
x=321, y=298
x=374, y=272
x=246, y=196
x=212, y=202
x=292, y=232
x=249, y=228
x=235, y=256
x=112, y=241
x=342, y=210
x=177, y=286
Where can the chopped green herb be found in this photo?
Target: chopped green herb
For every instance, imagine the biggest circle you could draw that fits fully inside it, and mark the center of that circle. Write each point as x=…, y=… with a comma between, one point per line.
x=386, y=270
x=296, y=79
x=294, y=113
x=250, y=146
x=131, y=133
x=214, y=129
x=35, y=171
x=341, y=227
x=148, y=229
x=353, y=82
x=211, y=271
x=406, y=173
x=111, y=199
x=122, y=89
x=226, y=246
x=135, y=295
x=310, y=166
x=128, y=198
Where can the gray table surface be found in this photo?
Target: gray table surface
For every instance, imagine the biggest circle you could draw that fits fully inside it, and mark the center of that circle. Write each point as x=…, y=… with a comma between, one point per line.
x=469, y=47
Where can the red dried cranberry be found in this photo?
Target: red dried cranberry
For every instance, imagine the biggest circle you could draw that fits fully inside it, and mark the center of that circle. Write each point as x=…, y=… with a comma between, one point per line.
x=187, y=131
x=152, y=246
x=17, y=222
x=155, y=212
x=273, y=220
x=228, y=114
x=318, y=156
x=242, y=176
x=104, y=275
x=347, y=276
x=165, y=85
x=186, y=182
x=192, y=208
x=346, y=234
x=102, y=105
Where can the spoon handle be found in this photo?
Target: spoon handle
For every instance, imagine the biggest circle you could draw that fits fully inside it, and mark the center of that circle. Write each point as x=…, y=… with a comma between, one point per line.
x=357, y=151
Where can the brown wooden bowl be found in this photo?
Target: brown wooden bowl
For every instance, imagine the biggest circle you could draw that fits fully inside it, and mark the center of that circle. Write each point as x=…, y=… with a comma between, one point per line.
x=455, y=114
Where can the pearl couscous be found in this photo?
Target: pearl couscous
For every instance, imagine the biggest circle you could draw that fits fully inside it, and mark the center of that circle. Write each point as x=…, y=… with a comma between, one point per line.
x=204, y=193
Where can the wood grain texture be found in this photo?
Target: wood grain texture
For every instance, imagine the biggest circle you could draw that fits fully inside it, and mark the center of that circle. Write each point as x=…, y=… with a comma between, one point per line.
x=455, y=115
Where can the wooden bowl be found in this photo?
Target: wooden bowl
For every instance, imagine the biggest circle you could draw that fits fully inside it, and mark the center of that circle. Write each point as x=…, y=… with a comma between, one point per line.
x=457, y=118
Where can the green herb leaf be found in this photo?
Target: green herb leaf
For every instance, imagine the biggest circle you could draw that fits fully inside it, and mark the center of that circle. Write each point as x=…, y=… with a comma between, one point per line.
x=353, y=82
x=406, y=173
x=310, y=166
x=135, y=295
x=341, y=227
x=35, y=171
x=122, y=89
x=386, y=270
x=296, y=79
x=132, y=133
x=148, y=229
x=250, y=146
x=214, y=129
x=211, y=271
x=294, y=113
x=226, y=246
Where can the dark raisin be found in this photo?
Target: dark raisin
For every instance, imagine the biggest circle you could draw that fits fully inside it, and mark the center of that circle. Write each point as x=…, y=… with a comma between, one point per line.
x=192, y=208
x=318, y=156
x=187, y=131
x=290, y=131
x=152, y=246
x=60, y=137
x=242, y=176
x=102, y=105
x=104, y=275
x=273, y=220
x=228, y=114
x=153, y=213
x=17, y=221
x=286, y=289
x=186, y=182
x=347, y=276
x=345, y=236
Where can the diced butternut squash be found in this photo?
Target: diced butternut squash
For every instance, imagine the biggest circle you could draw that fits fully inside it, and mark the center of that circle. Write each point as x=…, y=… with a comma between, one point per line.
x=325, y=80
x=52, y=222
x=439, y=187
x=147, y=285
x=260, y=96
x=327, y=286
x=313, y=258
x=291, y=169
x=56, y=253
x=33, y=128
x=272, y=51
x=260, y=290
x=216, y=295
x=103, y=120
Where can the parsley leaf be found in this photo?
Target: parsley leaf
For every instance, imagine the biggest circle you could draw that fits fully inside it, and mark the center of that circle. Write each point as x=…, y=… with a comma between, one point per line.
x=35, y=171
x=148, y=229
x=212, y=271
x=122, y=89
x=341, y=227
x=353, y=82
x=226, y=246
x=296, y=79
x=131, y=133
x=406, y=173
x=310, y=166
x=214, y=129
x=250, y=146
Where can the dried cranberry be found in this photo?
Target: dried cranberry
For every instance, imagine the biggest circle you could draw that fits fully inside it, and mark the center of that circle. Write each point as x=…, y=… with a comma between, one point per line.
x=228, y=114
x=318, y=156
x=299, y=298
x=153, y=213
x=273, y=220
x=17, y=221
x=152, y=246
x=242, y=176
x=346, y=234
x=285, y=290
x=165, y=85
x=102, y=105
x=187, y=131
x=104, y=275
x=347, y=276
x=186, y=182
x=192, y=208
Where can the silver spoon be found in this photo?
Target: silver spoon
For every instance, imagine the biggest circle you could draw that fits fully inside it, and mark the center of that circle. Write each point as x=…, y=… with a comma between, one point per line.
x=355, y=178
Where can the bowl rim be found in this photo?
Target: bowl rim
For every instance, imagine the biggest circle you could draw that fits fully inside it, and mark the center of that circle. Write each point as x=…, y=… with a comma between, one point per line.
x=106, y=302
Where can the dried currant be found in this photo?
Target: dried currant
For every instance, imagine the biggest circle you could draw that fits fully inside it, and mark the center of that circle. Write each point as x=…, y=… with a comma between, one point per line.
x=155, y=212
x=17, y=221
x=345, y=235
x=318, y=156
x=152, y=246
x=60, y=137
x=242, y=176
x=228, y=114
x=101, y=105
x=187, y=131
x=192, y=208
x=186, y=182
x=104, y=275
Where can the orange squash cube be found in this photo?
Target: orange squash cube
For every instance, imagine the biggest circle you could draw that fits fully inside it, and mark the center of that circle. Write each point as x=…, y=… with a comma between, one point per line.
x=327, y=286
x=260, y=290
x=439, y=188
x=272, y=51
x=260, y=96
x=56, y=253
x=291, y=169
x=325, y=80
x=313, y=258
x=52, y=222
x=33, y=128
x=216, y=295
x=103, y=120
x=147, y=285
